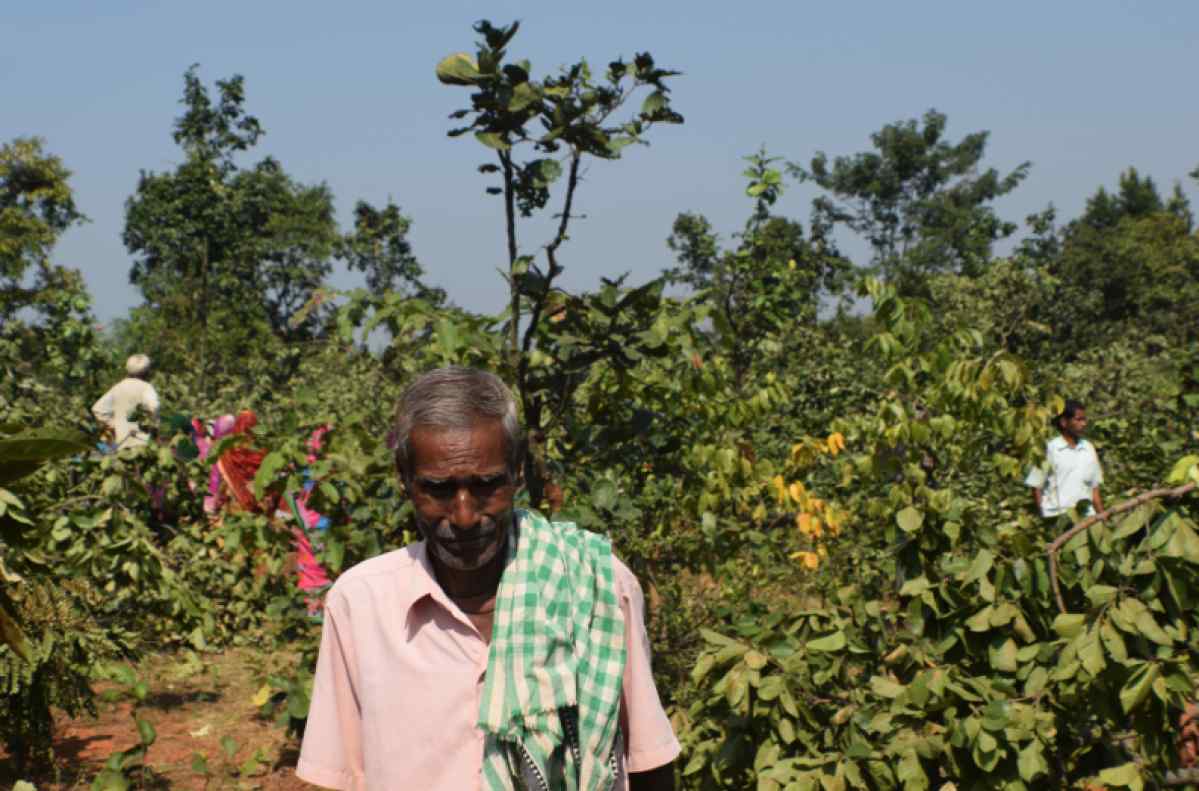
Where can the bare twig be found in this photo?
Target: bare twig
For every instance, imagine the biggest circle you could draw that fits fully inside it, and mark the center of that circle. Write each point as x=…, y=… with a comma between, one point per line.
x=1053, y=548
x=510, y=217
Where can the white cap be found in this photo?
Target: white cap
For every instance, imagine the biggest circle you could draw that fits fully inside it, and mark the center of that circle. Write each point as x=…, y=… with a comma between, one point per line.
x=137, y=365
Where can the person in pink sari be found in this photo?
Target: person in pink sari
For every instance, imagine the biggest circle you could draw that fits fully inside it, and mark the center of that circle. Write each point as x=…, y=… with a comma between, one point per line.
x=312, y=577
x=205, y=438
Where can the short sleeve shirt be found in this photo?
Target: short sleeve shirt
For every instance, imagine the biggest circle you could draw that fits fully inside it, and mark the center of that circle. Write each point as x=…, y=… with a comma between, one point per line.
x=1068, y=476
x=400, y=673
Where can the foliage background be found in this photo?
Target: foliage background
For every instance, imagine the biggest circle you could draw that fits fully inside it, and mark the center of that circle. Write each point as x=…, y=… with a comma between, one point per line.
x=824, y=504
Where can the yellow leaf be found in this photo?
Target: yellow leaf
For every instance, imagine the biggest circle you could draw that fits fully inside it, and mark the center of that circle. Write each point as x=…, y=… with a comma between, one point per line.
x=804, y=523
x=262, y=696
x=780, y=489
x=810, y=560
x=836, y=442
x=833, y=519
x=796, y=490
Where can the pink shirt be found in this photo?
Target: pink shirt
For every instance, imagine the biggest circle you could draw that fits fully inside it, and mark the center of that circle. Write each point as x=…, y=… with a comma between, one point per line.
x=400, y=672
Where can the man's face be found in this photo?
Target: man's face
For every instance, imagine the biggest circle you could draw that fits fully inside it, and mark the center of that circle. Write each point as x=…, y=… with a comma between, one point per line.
x=1075, y=426
x=462, y=492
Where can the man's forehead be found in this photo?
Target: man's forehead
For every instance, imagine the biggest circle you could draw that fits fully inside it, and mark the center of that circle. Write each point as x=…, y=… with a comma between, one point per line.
x=470, y=450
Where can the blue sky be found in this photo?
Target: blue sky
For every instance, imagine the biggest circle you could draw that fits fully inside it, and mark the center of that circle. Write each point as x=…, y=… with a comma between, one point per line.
x=347, y=95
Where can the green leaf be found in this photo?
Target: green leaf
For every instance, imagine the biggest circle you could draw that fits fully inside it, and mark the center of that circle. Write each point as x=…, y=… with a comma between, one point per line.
x=458, y=69
x=915, y=587
x=547, y=171
x=981, y=620
x=333, y=554
x=1003, y=658
x=770, y=687
x=755, y=660
x=1126, y=775
x=22, y=454
x=885, y=687
x=1139, y=615
x=1183, y=543
x=1090, y=653
x=1113, y=642
x=910, y=772
x=272, y=463
x=1036, y=681
x=146, y=732
x=995, y=716
x=110, y=780
x=13, y=636
x=1133, y=522
x=523, y=96
x=1182, y=469
x=716, y=638
x=1137, y=688
x=653, y=103
x=1068, y=625
x=1101, y=594
x=604, y=495
x=702, y=666
x=909, y=520
x=298, y=701
x=250, y=766
x=493, y=140
x=983, y=562
x=1031, y=762
x=830, y=642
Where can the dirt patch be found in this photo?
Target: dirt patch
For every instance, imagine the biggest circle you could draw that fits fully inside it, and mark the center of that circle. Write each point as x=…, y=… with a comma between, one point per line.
x=202, y=709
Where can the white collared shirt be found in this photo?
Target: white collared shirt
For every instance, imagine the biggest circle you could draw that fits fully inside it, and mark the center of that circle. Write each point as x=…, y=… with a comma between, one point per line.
x=1068, y=476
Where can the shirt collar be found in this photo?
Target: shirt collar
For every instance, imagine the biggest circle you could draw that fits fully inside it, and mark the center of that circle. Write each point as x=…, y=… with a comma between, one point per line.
x=423, y=587
x=423, y=583
x=1059, y=442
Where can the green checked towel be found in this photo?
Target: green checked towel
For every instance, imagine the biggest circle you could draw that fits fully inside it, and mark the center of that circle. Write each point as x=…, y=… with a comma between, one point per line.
x=551, y=700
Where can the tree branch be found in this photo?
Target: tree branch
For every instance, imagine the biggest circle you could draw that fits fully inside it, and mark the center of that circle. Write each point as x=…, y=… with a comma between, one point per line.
x=514, y=288
x=1053, y=548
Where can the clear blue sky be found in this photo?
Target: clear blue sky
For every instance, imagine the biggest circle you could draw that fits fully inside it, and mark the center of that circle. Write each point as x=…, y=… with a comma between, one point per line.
x=347, y=95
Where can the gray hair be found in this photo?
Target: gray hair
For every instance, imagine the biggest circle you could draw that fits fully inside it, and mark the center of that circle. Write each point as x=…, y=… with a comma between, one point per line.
x=137, y=365
x=455, y=398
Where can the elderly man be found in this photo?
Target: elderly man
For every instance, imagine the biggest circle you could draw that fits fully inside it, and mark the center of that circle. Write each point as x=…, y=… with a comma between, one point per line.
x=1070, y=473
x=500, y=652
x=114, y=408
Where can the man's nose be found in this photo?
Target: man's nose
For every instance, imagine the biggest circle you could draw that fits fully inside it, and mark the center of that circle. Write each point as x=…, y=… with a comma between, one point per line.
x=463, y=511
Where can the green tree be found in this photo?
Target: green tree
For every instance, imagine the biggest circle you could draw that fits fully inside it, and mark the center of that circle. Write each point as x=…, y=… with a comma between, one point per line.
x=536, y=131
x=37, y=206
x=1136, y=197
x=379, y=248
x=772, y=281
x=1130, y=257
x=54, y=338
x=919, y=199
x=212, y=239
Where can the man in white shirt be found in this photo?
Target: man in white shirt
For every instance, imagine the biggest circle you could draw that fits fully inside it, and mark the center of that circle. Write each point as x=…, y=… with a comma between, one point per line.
x=115, y=407
x=1070, y=473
